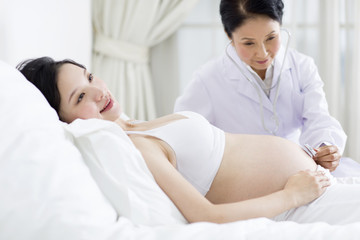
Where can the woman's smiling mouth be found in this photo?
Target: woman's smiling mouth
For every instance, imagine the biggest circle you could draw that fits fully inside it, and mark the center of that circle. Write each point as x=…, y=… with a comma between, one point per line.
x=107, y=106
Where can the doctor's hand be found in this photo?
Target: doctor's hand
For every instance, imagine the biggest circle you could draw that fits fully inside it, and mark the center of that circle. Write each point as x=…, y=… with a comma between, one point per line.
x=328, y=157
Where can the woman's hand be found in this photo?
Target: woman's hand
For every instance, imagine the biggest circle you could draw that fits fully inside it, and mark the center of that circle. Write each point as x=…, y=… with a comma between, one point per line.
x=306, y=186
x=328, y=157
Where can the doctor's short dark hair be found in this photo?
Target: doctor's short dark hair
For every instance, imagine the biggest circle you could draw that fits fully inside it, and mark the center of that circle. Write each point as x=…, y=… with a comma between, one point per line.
x=235, y=12
x=43, y=73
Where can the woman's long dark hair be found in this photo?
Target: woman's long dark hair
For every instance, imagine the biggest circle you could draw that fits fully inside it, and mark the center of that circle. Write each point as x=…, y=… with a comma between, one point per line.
x=43, y=73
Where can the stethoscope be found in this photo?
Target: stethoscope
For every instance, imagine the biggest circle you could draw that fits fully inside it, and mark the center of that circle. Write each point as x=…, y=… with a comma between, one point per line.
x=274, y=116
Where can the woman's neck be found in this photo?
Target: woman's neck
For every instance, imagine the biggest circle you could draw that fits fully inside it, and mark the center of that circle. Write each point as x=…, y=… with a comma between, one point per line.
x=261, y=73
x=125, y=125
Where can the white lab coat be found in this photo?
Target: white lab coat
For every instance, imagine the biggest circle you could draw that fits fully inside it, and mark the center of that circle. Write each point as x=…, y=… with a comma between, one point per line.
x=223, y=95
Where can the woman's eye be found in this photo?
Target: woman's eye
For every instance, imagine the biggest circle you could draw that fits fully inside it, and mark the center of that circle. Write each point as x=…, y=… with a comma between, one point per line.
x=91, y=77
x=81, y=96
x=270, y=38
x=248, y=43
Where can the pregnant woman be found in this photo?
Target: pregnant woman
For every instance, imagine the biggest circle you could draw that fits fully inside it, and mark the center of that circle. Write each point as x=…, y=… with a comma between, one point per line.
x=210, y=175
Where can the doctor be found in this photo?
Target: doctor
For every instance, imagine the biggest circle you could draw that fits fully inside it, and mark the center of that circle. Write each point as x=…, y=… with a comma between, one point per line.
x=259, y=86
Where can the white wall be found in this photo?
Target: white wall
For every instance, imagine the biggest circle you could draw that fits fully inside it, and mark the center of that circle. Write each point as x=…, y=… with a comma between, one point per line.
x=56, y=28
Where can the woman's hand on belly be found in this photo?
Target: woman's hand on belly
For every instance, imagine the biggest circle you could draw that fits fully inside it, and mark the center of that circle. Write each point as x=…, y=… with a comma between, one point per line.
x=306, y=186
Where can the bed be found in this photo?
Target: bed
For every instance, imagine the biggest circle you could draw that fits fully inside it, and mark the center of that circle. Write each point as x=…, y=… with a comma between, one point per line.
x=86, y=180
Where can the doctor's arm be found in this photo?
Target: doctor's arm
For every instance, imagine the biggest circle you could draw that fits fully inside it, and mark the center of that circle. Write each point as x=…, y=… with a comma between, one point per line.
x=319, y=126
x=300, y=189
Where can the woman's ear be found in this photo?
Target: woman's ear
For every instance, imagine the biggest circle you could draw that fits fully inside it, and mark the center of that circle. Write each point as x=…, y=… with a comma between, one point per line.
x=229, y=37
x=60, y=116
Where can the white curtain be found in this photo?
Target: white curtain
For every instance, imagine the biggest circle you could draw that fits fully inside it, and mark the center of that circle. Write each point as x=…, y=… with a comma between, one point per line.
x=352, y=90
x=329, y=64
x=124, y=30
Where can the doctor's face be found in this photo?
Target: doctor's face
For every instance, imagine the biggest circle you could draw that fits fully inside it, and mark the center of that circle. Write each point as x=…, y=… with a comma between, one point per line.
x=84, y=96
x=257, y=42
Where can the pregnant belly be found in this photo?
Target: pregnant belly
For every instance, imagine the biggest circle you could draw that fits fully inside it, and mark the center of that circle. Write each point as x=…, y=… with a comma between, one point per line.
x=256, y=165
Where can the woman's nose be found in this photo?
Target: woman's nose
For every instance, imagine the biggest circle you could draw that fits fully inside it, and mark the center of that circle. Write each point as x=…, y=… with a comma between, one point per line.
x=98, y=94
x=261, y=51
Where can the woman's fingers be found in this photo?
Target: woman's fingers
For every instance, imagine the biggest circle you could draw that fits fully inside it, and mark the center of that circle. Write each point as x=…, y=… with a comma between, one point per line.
x=322, y=179
x=307, y=185
x=319, y=178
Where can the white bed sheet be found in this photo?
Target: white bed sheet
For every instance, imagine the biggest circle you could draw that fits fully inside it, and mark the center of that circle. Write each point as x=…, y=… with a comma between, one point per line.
x=347, y=168
x=256, y=229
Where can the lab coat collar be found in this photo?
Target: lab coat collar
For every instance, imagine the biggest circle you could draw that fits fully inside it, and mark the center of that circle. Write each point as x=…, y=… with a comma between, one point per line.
x=230, y=70
x=244, y=86
x=278, y=62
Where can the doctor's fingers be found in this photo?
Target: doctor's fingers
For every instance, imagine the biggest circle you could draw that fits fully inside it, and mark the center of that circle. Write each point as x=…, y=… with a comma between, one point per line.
x=326, y=150
x=328, y=158
x=329, y=165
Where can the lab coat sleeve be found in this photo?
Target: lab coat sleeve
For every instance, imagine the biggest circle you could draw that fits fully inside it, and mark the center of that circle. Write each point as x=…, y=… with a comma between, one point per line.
x=318, y=125
x=196, y=98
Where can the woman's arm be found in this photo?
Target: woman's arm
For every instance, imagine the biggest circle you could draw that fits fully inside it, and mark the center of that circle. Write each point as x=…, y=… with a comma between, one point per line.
x=300, y=189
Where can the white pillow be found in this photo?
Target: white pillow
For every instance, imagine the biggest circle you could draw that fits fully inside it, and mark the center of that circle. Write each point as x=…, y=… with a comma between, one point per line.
x=122, y=174
x=47, y=191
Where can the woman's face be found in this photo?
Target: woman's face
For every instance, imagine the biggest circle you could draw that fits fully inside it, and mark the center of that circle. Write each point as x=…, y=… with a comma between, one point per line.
x=257, y=42
x=84, y=96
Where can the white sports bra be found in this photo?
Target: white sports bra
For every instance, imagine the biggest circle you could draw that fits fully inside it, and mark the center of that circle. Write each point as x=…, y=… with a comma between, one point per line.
x=198, y=146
